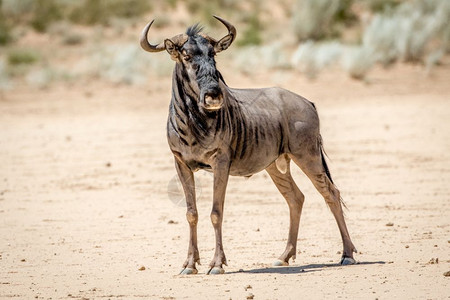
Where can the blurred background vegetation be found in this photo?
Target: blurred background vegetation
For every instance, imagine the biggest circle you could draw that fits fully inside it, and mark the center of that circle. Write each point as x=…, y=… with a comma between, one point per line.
x=48, y=41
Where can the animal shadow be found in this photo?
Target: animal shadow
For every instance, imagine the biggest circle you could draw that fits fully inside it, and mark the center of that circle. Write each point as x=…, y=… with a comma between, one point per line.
x=302, y=269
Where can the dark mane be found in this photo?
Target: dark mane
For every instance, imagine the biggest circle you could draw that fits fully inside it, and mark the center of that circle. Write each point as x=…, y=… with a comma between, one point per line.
x=194, y=30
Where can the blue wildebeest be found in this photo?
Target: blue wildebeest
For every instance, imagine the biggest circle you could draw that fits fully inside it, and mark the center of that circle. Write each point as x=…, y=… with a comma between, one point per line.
x=239, y=132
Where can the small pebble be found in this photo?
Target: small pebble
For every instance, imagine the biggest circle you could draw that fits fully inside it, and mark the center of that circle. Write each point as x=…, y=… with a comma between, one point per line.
x=247, y=287
x=407, y=246
x=172, y=222
x=250, y=296
x=142, y=268
x=447, y=274
x=434, y=261
x=390, y=224
x=241, y=270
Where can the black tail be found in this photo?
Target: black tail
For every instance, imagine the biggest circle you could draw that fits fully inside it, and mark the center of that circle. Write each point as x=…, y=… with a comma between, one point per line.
x=324, y=162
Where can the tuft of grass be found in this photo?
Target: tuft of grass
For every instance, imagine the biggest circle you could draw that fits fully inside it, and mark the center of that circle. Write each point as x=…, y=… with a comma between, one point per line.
x=22, y=57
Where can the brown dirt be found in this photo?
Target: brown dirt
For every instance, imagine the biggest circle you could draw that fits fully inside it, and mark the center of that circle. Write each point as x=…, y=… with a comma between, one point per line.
x=85, y=210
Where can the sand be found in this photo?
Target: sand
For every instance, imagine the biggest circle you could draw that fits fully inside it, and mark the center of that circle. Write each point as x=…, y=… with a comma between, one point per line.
x=90, y=207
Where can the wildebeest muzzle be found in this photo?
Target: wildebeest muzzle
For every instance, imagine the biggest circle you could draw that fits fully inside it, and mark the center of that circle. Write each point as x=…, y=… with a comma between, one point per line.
x=212, y=98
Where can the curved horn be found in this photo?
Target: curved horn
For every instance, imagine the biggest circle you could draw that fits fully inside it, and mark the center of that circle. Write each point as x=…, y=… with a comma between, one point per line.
x=229, y=26
x=144, y=41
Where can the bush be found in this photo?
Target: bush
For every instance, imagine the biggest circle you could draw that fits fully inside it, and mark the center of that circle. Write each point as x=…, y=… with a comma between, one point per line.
x=5, y=31
x=407, y=32
x=92, y=12
x=379, y=6
x=417, y=31
x=22, y=56
x=252, y=34
x=357, y=61
x=17, y=9
x=4, y=78
x=311, y=57
x=252, y=58
x=44, y=13
x=313, y=19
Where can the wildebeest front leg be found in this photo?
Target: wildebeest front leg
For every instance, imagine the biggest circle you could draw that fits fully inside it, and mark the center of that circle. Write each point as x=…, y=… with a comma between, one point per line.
x=221, y=173
x=187, y=181
x=294, y=198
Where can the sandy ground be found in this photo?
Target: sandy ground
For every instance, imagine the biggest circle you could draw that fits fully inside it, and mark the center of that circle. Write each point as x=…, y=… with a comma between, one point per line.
x=88, y=196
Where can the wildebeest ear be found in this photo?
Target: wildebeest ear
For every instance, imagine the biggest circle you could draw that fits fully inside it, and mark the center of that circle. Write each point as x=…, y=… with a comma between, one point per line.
x=171, y=48
x=224, y=43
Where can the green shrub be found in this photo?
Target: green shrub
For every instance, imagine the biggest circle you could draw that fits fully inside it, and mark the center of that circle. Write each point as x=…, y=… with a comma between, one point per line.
x=22, y=56
x=382, y=5
x=252, y=33
x=92, y=12
x=5, y=31
x=313, y=19
x=44, y=13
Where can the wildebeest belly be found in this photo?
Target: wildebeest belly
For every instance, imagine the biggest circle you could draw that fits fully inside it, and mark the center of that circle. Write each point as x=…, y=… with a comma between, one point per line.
x=255, y=159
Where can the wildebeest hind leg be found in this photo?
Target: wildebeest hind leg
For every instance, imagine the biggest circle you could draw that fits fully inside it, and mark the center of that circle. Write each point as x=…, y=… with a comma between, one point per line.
x=294, y=198
x=317, y=171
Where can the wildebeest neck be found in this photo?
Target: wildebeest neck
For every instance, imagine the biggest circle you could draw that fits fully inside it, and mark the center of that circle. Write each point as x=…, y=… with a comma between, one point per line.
x=191, y=122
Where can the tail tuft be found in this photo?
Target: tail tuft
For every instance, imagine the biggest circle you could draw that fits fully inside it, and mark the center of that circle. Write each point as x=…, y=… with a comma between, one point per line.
x=324, y=163
x=325, y=166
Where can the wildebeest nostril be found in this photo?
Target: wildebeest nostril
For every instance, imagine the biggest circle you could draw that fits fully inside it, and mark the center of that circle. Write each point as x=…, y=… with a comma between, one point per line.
x=213, y=93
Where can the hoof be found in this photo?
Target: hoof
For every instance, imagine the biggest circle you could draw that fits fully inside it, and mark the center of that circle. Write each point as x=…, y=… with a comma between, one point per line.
x=280, y=263
x=216, y=271
x=188, y=271
x=347, y=261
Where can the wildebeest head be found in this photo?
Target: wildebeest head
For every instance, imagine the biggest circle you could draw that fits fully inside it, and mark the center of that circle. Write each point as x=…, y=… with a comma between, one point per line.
x=194, y=52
